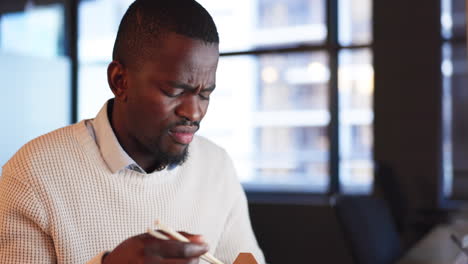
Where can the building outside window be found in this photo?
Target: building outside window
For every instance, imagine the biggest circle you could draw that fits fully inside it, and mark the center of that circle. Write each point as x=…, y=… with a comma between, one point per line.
x=454, y=68
x=279, y=70
x=35, y=73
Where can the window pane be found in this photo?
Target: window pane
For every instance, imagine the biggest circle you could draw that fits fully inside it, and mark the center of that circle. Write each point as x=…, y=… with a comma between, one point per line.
x=356, y=85
x=35, y=75
x=355, y=22
x=243, y=24
x=273, y=119
x=453, y=18
x=246, y=24
x=98, y=24
x=93, y=89
x=455, y=147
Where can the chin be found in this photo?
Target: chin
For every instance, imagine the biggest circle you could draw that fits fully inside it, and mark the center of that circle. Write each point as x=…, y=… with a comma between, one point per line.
x=178, y=156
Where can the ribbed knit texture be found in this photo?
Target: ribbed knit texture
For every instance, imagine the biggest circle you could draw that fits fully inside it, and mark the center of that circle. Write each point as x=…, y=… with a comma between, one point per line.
x=59, y=203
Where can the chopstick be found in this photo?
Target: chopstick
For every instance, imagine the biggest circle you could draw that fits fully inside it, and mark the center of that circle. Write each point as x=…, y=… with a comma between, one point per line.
x=159, y=235
x=207, y=256
x=459, y=244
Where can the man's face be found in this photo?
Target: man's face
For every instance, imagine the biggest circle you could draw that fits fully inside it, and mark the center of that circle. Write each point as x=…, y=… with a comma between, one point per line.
x=168, y=96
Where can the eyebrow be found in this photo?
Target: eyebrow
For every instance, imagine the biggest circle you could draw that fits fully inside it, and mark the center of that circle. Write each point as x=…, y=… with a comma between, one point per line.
x=185, y=86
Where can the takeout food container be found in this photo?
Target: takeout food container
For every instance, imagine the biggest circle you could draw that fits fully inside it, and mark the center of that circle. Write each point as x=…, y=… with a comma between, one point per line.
x=245, y=258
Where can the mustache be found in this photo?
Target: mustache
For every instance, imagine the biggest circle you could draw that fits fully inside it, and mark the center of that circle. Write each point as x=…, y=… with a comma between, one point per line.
x=186, y=123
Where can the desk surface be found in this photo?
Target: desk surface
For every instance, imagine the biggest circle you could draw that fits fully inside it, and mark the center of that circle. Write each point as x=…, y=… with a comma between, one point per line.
x=437, y=247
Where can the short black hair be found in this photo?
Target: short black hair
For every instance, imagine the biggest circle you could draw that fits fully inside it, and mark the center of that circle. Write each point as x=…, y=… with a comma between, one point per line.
x=147, y=21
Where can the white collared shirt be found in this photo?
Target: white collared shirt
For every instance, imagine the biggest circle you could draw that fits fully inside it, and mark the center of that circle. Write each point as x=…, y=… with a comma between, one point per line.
x=111, y=151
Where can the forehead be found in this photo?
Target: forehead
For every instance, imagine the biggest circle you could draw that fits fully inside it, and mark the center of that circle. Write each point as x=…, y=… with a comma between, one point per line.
x=180, y=55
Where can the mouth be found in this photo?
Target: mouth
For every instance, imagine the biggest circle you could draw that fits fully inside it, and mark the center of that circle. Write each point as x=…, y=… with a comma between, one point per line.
x=183, y=134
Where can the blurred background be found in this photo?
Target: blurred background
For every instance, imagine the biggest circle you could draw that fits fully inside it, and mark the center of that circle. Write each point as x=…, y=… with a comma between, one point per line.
x=316, y=99
x=279, y=67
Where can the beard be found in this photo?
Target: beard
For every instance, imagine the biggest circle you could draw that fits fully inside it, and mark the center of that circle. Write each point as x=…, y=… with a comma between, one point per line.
x=165, y=158
x=169, y=159
x=153, y=147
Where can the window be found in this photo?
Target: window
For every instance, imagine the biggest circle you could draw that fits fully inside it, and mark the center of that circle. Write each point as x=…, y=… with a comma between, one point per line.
x=355, y=75
x=293, y=105
x=455, y=96
x=35, y=78
x=98, y=22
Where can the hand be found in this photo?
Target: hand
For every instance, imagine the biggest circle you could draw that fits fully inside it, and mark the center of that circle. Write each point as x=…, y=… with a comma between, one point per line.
x=146, y=249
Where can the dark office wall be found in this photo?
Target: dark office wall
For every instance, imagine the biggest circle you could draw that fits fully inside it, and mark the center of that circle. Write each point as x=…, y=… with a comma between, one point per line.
x=407, y=129
x=408, y=92
x=299, y=234
x=8, y=6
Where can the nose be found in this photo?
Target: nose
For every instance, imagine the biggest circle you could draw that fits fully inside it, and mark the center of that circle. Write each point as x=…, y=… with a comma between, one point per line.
x=191, y=108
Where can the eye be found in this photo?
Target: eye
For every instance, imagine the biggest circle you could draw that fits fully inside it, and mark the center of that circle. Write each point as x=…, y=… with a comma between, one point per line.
x=205, y=95
x=172, y=92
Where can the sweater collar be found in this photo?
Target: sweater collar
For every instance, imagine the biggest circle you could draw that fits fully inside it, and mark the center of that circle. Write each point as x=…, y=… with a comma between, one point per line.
x=112, y=152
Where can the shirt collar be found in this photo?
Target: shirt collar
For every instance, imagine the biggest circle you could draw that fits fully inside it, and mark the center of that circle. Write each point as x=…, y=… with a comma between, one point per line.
x=112, y=152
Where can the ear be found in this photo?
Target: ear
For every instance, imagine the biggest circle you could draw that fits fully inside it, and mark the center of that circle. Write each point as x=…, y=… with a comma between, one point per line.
x=117, y=79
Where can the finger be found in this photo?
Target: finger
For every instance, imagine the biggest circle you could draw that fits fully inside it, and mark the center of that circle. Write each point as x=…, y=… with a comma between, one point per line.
x=152, y=260
x=194, y=238
x=199, y=239
x=180, y=261
x=160, y=260
x=191, y=237
x=174, y=249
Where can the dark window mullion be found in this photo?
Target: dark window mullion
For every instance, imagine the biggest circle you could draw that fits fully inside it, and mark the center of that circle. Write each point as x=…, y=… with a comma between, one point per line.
x=332, y=43
x=300, y=48
x=71, y=43
x=276, y=50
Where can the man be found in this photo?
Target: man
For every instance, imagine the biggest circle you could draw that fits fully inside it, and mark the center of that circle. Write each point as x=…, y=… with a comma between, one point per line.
x=89, y=191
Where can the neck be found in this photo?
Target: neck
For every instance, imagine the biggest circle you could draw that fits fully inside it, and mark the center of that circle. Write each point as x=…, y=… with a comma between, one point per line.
x=130, y=144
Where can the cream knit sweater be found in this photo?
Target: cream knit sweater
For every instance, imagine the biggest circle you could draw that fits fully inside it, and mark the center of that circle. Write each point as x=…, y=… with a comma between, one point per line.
x=59, y=203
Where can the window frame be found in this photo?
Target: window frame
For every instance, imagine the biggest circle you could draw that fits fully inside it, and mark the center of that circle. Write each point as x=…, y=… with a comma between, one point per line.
x=451, y=40
x=330, y=46
x=333, y=48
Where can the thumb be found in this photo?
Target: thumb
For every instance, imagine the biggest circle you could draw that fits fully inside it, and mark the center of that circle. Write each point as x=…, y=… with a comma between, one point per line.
x=198, y=239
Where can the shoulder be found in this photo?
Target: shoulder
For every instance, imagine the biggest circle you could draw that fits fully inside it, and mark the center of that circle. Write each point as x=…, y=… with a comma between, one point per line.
x=42, y=150
x=201, y=143
x=213, y=160
x=203, y=150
